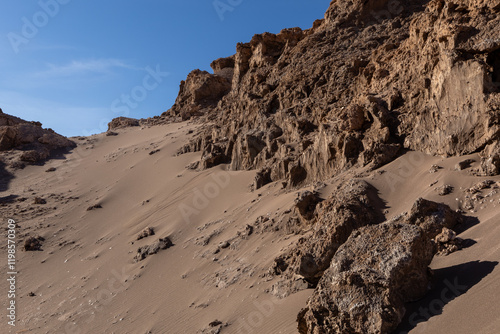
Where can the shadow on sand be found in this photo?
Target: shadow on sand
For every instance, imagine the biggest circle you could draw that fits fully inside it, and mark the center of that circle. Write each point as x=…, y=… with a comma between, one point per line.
x=448, y=284
x=5, y=178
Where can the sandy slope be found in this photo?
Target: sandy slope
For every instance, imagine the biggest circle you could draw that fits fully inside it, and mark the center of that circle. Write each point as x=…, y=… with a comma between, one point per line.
x=86, y=280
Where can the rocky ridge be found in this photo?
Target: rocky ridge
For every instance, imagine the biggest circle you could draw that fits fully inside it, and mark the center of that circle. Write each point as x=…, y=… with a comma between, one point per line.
x=28, y=142
x=369, y=80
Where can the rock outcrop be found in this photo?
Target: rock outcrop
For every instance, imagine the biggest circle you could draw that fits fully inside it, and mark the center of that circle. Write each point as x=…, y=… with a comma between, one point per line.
x=372, y=78
x=370, y=278
x=31, y=142
x=377, y=270
x=352, y=206
x=122, y=122
x=202, y=91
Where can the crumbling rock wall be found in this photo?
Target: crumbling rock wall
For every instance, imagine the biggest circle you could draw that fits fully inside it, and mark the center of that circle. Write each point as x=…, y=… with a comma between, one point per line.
x=371, y=78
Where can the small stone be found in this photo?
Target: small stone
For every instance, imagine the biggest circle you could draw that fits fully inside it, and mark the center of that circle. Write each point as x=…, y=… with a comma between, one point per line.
x=40, y=201
x=444, y=190
x=94, y=207
x=464, y=164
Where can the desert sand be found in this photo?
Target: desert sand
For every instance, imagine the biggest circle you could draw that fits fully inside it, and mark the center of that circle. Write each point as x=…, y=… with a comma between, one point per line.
x=85, y=279
x=339, y=179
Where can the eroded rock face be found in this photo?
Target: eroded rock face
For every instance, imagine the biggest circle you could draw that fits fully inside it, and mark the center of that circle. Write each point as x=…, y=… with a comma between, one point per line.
x=353, y=205
x=490, y=160
x=371, y=78
x=432, y=217
x=33, y=143
x=377, y=270
x=370, y=278
x=202, y=91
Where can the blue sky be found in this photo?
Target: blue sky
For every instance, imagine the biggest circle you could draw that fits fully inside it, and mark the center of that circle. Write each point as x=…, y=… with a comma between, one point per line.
x=76, y=64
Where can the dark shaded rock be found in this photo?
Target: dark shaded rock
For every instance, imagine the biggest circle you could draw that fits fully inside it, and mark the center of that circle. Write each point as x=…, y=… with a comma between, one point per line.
x=39, y=200
x=51, y=169
x=464, y=164
x=262, y=177
x=94, y=207
x=305, y=204
x=33, y=244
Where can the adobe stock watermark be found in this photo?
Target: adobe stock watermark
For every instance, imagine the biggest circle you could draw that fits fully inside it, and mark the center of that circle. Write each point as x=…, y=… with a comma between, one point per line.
x=255, y=319
x=116, y=284
x=451, y=291
x=408, y=166
x=32, y=25
x=11, y=273
x=223, y=6
x=201, y=198
x=128, y=101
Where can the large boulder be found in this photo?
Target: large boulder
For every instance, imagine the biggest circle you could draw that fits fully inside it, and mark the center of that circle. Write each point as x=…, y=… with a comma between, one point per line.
x=351, y=206
x=371, y=276
x=377, y=270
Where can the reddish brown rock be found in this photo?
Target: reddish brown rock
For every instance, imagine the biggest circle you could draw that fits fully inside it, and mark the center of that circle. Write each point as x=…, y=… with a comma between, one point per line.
x=201, y=91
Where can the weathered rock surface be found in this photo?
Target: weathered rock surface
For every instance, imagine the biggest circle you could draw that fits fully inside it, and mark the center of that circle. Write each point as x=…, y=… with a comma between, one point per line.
x=377, y=270
x=145, y=251
x=371, y=78
x=371, y=276
x=122, y=122
x=32, y=143
x=203, y=90
x=432, y=217
x=352, y=206
x=32, y=244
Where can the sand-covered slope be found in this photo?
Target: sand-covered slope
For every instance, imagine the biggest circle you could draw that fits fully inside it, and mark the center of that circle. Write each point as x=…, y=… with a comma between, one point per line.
x=306, y=186
x=85, y=279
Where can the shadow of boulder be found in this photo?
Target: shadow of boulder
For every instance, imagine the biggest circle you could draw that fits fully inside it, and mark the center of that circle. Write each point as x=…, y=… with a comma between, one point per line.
x=448, y=284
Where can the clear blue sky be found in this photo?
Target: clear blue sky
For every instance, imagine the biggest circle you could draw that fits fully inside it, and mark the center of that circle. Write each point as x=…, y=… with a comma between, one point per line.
x=68, y=63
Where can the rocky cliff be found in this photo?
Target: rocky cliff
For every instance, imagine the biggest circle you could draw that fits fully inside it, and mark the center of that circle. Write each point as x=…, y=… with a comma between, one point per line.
x=369, y=80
